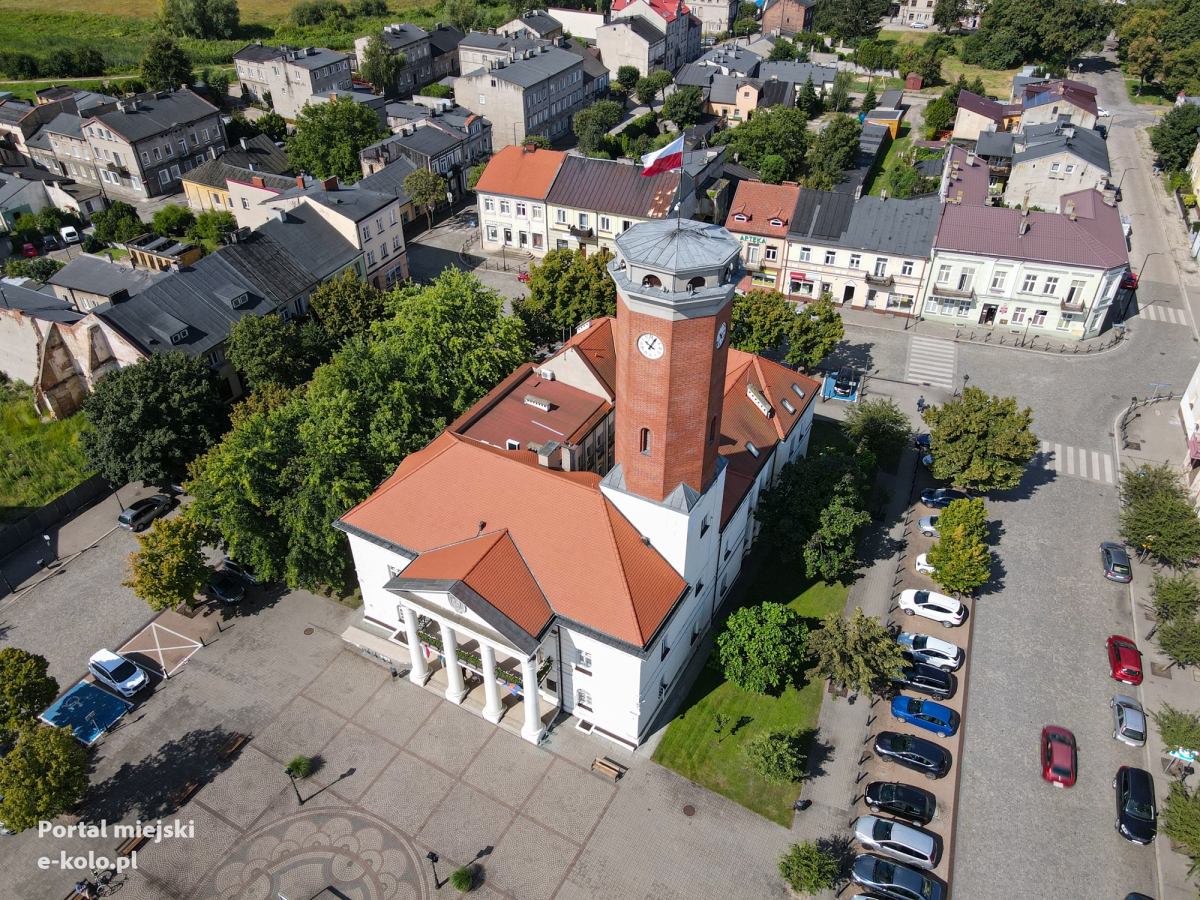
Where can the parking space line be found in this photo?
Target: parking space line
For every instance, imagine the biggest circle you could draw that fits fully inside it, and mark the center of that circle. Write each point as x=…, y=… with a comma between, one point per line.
x=1108, y=472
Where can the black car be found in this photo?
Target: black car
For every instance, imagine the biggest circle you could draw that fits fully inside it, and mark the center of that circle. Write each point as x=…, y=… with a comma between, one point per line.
x=143, y=512
x=940, y=498
x=1116, y=562
x=843, y=385
x=49, y=242
x=901, y=800
x=226, y=588
x=926, y=679
x=913, y=753
x=1137, y=818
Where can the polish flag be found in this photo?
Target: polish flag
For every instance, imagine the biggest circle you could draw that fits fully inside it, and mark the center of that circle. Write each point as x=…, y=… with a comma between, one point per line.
x=664, y=160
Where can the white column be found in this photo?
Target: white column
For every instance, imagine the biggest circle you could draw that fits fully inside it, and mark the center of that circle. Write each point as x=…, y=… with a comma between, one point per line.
x=493, y=711
x=418, y=672
x=532, y=730
x=455, y=690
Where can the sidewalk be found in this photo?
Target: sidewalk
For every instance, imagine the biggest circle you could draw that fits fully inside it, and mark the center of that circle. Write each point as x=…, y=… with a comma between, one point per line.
x=1154, y=435
x=68, y=539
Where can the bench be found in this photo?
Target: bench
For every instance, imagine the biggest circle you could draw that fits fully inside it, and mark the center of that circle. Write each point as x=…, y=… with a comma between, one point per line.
x=605, y=767
x=183, y=794
x=134, y=843
x=231, y=746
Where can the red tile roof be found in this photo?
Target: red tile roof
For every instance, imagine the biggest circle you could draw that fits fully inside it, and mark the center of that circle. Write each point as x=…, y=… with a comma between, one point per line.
x=588, y=560
x=761, y=203
x=599, y=349
x=664, y=8
x=517, y=172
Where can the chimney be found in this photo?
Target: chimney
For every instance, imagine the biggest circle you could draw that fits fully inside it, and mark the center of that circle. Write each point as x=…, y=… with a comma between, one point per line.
x=258, y=182
x=550, y=455
x=330, y=183
x=242, y=141
x=530, y=148
x=276, y=214
x=1023, y=227
x=299, y=181
x=1071, y=210
x=883, y=194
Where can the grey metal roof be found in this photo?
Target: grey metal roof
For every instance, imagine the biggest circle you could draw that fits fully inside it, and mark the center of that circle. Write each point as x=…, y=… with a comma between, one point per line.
x=677, y=245
x=65, y=124
x=693, y=75
x=777, y=93
x=736, y=58
x=891, y=99
x=821, y=216
x=257, y=53
x=550, y=62
x=900, y=227
x=797, y=72
x=995, y=143
x=1085, y=143
x=351, y=201
x=479, y=40
x=36, y=304
x=156, y=113
x=540, y=23
x=613, y=187
x=96, y=275
x=641, y=26
x=216, y=172
x=390, y=179
x=406, y=111
x=314, y=57
x=445, y=39
x=591, y=65
x=13, y=111
x=725, y=87
x=428, y=140
x=397, y=35
x=261, y=152
x=315, y=244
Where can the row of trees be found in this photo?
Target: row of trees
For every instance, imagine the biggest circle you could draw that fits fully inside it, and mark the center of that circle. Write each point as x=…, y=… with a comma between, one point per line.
x=1158, y=40
x=1054, y=32
x=778, y=144
x=1157, y=517
x=79, y=62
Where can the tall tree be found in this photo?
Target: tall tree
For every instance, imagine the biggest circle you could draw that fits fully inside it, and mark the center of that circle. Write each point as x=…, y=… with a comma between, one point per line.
x=808, y=101
x=592, y=123
x=169, y=569
x=347, y=307
x=329, y=137
x=762, y=647
x=461, y=13
x=1157, y=516
x=1177, y=597
x=273, y=125
x=1144, y=58
x=628, y=77
x=779, y=131
x=960, y=557
x=119, y=223
x=42, y=776
x=1181, y=818
x=1048, y=31
x=380, y=66
x=980, y=441
x=879, y=425
x=267, y=349
x=833, y=152
x=25, y=691
x=858, y=654
x=1174, y=137
x=875, y=56
x=815, y=331
x=164, y=65
x=761, y=320
x=1177, y=728
x=848, y=21
x=946, y=14
x=149, y=420
x=783, y=50
x=565, y=290
x=426, y=189
x=205, y=20
x=173, y=220
x=831, y=552
x=684, y=107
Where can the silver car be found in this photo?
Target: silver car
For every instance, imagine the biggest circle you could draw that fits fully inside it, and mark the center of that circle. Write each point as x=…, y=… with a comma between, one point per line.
x=910, y=845
x=1129, y=721
x=927, y=525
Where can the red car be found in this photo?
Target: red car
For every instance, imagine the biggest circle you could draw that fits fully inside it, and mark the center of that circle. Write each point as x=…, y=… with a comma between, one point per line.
x=1124, y=660
x=1058, y=756
x=1130, y=281
x=28, y=251
x=523, y=277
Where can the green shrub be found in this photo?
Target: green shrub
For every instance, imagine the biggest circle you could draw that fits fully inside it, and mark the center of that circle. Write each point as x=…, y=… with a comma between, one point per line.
x=461, y=879
x=1175, y=598
x=808, y=868
x=300, y=766
x=777, y=755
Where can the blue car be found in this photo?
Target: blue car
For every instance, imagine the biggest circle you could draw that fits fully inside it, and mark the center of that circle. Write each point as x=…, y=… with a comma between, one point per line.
x=925, y=714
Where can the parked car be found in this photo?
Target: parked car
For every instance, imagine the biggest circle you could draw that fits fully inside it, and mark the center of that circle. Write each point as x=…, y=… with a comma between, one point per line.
x=1102, y=113
x=523, y=277
x=941, y=720
x=1137, y=817
x=913, y=753
x=1116, y=562
x=901, y=800
x=1058, y=756
x=918, y=25
x=933, y=605
x=1124, y=660
x=115, y=671
x=899, y=841
x=1129, y=281
x=940, y=498
x=1129, y=721
x=893, y=880
x=922, y=565
x=843, y=385
x=69, y=234
x=142, y=512
x=49, y=242
x=927, y=525
x=931, y=651
x=929, y=680
x=28, y=251
x=241, y=570
x=226, y=588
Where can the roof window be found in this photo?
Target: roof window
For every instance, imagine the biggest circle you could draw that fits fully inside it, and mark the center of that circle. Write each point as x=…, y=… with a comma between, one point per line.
x=799, y=391
x=510, y=444
x=777, y=223
x=787, y=404
x=752, y=449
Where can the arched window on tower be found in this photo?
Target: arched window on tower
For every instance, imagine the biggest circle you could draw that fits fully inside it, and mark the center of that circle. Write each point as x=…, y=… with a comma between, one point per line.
x=728, y=273
x=644, y=441
x=651, y=281
x=712, y=430
x=696, y=283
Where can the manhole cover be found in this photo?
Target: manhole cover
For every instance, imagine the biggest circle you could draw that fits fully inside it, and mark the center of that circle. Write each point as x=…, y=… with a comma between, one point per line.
x=1133, y=445
x=689, y=810
x=308, y=630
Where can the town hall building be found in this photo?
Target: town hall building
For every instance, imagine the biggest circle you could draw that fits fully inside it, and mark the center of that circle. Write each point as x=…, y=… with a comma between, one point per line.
x=569, y=539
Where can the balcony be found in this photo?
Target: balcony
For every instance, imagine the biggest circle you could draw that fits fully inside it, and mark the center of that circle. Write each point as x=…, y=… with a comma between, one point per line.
x=942, y=290
x=1000, y=170
x=880, y=280
x=1194, y=446
x=580, y=233
x=1073, y=306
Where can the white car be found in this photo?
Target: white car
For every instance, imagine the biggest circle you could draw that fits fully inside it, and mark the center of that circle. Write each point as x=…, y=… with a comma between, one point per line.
x=917, y=25
x=930, y=650
x=933, y=605
x=896, y=840
x=1102, y=113
x=69, y=234
x=115, y=671
x=923, y=567
x=1129, y=721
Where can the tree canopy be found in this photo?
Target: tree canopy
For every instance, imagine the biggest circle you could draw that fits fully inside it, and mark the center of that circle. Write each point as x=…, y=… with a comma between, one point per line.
x=169, y=569
x=960, y=557
x=206, y=20
x=592, y=123
x=858, y=654
x=809, y=868
x=1047, y=31
x=42, y=776
x=761, y=321
x=426, y=189
x=119, y=223
x=879, y=425
x=267, y=349
x=380, y=66
x=566, y=289
x=25, y=691
x=848, y=21
x=173, y=220
x=816, y=330
x=164, y=65
x=762, y=648
x=780, y=131
x=347, y=307
x=628, y=76
x=1157, y=516
x=1174, y=137
x=684, y=107
x=149, y=420
x=981, y=441
x=833, y=152
x=329, y=137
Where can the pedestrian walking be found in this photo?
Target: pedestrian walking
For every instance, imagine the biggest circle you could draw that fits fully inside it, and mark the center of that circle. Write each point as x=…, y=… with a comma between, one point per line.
x=921, y=404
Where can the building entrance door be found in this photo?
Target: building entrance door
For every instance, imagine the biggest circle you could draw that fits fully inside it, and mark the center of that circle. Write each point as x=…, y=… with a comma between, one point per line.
x=848, y=293
x=508, y=236
x=988, y=316
x=523, y=237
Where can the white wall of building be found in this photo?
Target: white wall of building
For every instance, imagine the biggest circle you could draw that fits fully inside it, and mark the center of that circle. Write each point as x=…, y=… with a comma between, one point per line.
x=503, y=219
x=577, y=22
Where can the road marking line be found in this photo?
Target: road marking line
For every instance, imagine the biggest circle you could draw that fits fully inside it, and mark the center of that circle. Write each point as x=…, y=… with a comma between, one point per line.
x=1148, y=312
x=1070, y=461
x=1083, y=462
x=1095, y=465
x=1058, y=458
x=1108, y=472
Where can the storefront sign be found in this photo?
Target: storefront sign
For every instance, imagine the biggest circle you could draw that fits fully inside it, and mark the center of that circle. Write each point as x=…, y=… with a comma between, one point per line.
x=752, y=239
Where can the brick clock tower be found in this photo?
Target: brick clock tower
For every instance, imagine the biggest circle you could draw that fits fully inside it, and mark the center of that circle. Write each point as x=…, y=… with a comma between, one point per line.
x=675, y=284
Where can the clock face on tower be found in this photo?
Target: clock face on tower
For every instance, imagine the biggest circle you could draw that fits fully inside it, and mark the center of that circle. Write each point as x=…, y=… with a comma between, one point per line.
x=721, y=336
x=651, y=346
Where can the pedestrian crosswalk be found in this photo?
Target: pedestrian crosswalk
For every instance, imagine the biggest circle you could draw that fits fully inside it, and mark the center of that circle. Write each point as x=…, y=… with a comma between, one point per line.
x=1067, y=460
x=1163, y=314
x=931, y=361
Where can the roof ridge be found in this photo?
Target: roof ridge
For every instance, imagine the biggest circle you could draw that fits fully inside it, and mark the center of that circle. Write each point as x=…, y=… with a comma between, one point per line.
x=609, y=509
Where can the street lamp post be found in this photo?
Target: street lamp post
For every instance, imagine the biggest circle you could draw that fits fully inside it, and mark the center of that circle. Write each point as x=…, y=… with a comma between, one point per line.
x=433, y=861
x=1122, y=179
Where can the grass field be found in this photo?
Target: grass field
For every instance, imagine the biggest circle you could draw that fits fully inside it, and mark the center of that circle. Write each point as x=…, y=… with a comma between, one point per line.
x=899, y=145
x=691, y=746
x=38, y=461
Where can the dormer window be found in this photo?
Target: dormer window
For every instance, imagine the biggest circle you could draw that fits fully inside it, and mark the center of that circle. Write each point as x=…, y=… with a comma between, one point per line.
x=179, y=337
x=777, y=223
x=740, y=217
x=241, y=300
x=510, y=444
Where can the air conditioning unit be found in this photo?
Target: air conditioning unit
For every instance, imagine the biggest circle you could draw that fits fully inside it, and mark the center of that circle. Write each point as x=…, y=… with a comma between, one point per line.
x=546, y=374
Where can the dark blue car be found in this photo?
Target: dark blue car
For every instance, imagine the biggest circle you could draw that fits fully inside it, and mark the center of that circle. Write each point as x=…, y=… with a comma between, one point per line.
x=926, y=714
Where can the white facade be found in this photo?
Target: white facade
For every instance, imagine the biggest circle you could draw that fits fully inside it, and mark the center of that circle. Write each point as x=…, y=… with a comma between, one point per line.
x=863, y=279
x=516, y=222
